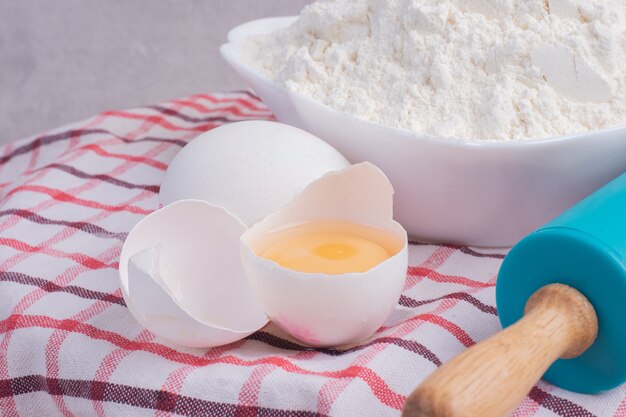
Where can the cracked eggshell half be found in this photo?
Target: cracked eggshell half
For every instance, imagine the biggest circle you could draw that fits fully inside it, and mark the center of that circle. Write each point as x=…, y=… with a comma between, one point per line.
x=250, y=168
x=182, y=278
x=322, y=309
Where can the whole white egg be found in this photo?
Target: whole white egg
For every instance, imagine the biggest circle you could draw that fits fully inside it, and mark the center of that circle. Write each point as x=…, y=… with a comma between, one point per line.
x=250, y=168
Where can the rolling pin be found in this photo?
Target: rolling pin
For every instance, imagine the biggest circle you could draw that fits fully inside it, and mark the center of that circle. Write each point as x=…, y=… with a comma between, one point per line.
x=561, y=297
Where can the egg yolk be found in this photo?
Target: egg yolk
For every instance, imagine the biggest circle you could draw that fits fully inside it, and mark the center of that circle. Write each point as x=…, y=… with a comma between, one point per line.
x=305, y=249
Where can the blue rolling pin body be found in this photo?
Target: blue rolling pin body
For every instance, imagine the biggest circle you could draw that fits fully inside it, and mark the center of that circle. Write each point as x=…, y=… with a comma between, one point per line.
x=585, y=248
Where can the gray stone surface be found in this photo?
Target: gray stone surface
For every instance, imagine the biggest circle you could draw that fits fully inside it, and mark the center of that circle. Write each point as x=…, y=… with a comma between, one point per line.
x=65, y=60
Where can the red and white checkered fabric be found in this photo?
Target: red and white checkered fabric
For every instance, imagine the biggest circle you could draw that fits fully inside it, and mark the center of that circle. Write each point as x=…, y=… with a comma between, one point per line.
x=69, y=347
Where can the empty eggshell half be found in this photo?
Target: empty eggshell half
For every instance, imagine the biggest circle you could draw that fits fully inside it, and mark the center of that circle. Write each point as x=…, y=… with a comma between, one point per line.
x=322, y=309
x=182, y=276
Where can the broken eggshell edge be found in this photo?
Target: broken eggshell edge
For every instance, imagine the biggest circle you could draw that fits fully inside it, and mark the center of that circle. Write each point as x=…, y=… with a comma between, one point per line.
x=182, y=278
x=321, y=309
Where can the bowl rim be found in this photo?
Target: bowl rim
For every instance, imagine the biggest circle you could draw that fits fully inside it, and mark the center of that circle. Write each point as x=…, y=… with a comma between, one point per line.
x=251, y=28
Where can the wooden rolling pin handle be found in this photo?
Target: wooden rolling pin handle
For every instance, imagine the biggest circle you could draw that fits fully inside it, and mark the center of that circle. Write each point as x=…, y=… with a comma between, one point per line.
x=491, y=378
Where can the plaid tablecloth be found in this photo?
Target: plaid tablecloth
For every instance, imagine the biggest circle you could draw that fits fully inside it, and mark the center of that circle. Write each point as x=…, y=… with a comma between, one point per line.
x=69, y=346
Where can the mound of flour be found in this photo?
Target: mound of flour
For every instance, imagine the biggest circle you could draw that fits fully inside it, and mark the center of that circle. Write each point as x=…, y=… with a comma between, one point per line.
x=480, y=69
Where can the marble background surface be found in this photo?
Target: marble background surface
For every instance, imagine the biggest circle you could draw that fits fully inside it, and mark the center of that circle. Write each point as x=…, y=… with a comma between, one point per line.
x=65, y=60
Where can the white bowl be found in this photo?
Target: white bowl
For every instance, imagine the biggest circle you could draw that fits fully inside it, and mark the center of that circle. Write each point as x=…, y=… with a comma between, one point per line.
x=450, y=190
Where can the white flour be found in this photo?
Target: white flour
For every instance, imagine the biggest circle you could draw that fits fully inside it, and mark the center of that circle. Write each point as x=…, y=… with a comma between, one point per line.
x=474, y=69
